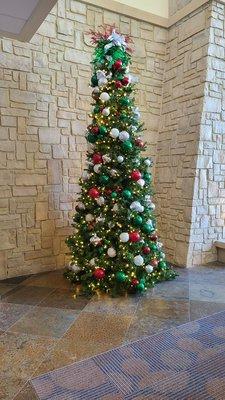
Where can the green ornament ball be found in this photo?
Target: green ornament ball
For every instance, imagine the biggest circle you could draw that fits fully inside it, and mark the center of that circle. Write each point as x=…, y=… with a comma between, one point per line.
x=96, y=109
x=104, y=179
x=102, y=130
x=140, y=287
x=91, y=138
x=127, y=194
x=123, y=117
x=153, y=246
x=125, y=101
x=121, y=276
x=147, y=177
x=162, y=265
x=114, y=195
x=94, y=80
x=148, y=228
x=127, y=145
x=100, y=251
x=138, y=220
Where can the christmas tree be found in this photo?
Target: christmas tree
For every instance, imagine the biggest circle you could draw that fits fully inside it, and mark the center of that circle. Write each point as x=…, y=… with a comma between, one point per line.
x=115, y=246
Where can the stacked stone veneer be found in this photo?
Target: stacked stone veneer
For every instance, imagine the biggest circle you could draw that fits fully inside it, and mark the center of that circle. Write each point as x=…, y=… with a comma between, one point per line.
x=208, y=212
x=44, y=106
x=178, y=141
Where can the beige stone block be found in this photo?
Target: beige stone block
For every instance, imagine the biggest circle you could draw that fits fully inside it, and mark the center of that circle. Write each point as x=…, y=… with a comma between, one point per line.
x=192, y=26
x=24, y=191
x=49, y=135
x=4, y=97
x=48, y=228
x=3, y=264
x=22, y=96
x=65, y=26
x=15, y=62
x=47, y=29
x=60, y=151
x=31, y=179
x=54, y=172
x=41, y=211
x=77, y=7
x=77, y=56
x=83, y=86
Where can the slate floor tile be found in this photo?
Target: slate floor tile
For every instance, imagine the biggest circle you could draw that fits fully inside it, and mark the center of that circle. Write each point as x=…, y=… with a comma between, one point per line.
x=64, y=298
x=27, y=393
x=116, y=306
x=207, y=292
x=54, y=279
x=10, y=313
x=200, y=309
x=20, y=356
x=5, y=288
x=30, y=295
x=45, y=321
x=96, y=327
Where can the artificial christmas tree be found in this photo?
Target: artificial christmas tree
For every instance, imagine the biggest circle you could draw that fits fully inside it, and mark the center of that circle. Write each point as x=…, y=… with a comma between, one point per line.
x=115, y=247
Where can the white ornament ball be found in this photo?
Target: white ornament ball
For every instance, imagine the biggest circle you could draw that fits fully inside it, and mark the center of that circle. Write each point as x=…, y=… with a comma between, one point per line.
x=96, y=89
x=141, y=182
x=147, y=162
x=102, y=81
x=149, y=268
x=124, y=237
x=75, y=268
x=120, y=159
x=113, y=173
x=115, y=208
x=89, y=217
x=97, y=168
x=136, y=206
x=104, y=96
x=106, y=159
x=81, y=206
x=92, y=261
x=100, y=201
x=111, y=252
x=106, y=112
x=152, y=206
x=138, y=260
x=114, y=133
x=124, y=135
x=85, y=176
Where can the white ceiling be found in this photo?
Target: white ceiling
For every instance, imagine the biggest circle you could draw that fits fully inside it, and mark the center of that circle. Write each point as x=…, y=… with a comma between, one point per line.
x=20, y=19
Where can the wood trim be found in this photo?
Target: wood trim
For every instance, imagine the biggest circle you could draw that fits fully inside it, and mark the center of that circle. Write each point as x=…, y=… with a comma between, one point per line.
x=129, y=11
x=40, y=12
x=44, y=7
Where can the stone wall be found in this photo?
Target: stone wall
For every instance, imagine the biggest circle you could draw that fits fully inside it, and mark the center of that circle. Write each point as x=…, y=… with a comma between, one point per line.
x=178, y=141
x=176, y=5
x=44, y=106
x=208, y=216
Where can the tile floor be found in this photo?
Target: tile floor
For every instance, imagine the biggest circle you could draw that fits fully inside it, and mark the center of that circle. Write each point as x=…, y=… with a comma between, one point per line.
x=43, y=327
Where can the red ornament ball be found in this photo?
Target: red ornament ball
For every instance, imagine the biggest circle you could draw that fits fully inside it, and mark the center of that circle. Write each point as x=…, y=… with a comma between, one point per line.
x=135, y=175
x=125, y=80
x=139, y=142
x=118, y=84
x=95, y=129
x=154, y=263
x=94, y=193
x=118, y=64
x=99, y=273
x=134, y=282
x=134, y=237
x=154, y=237
x=146, y=250
x=97, y=158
